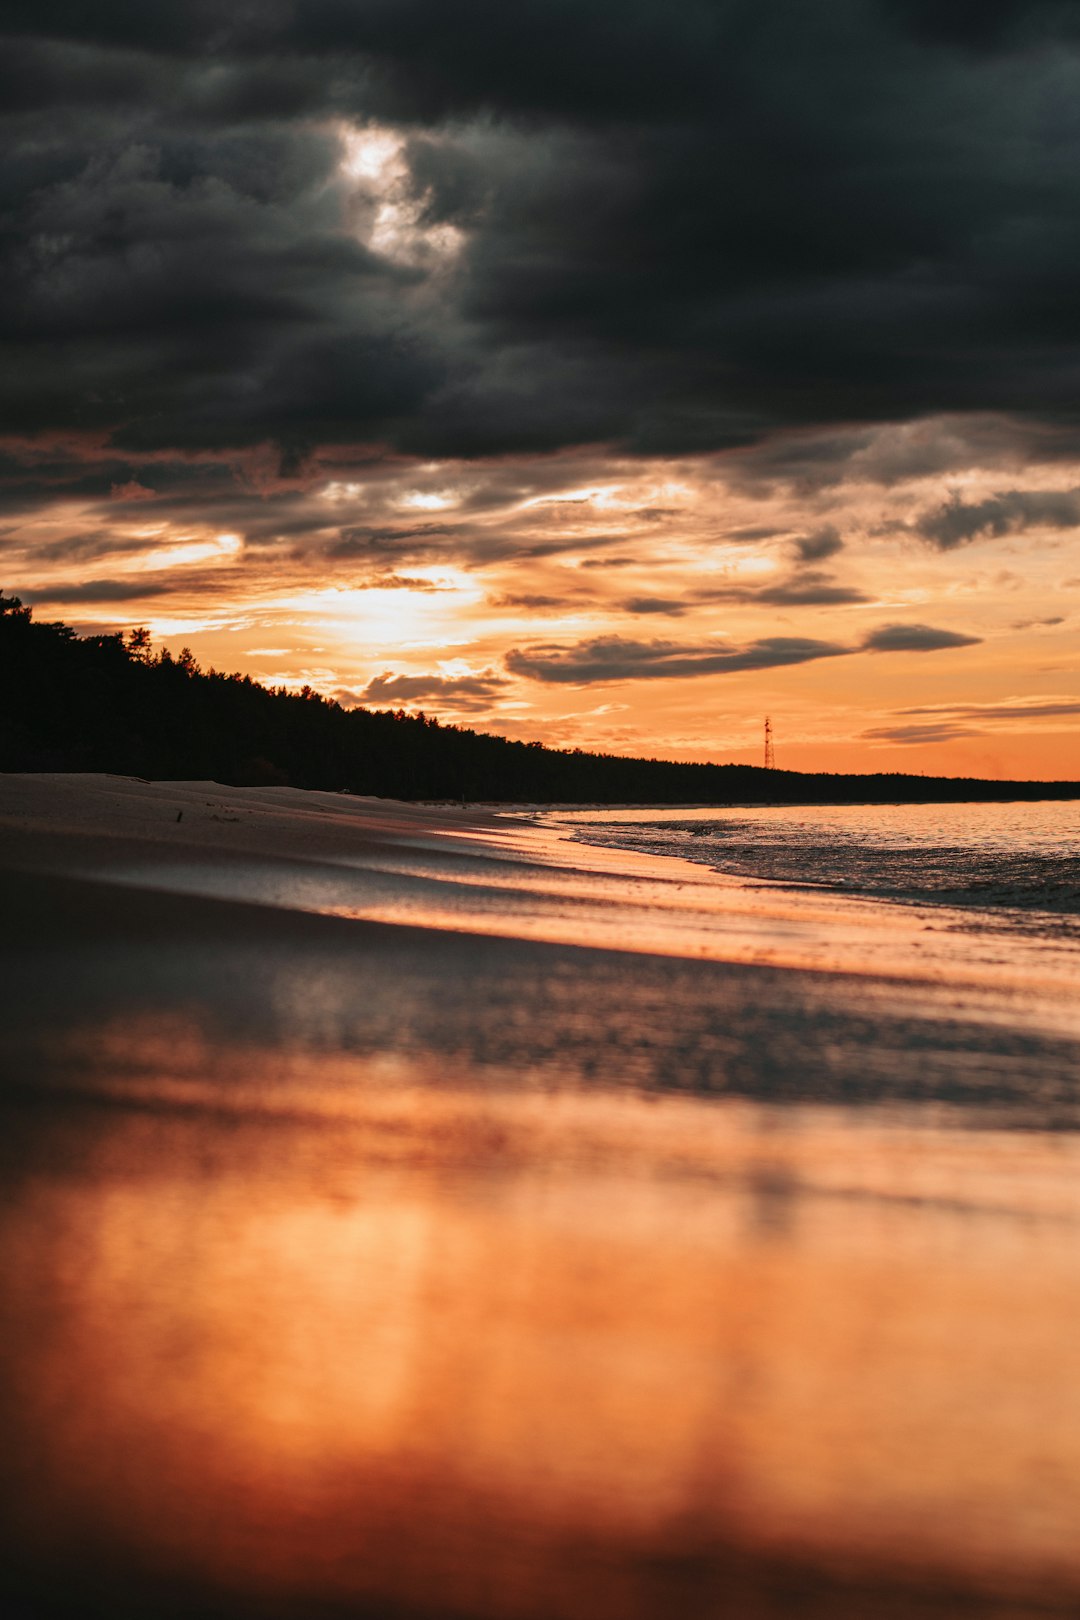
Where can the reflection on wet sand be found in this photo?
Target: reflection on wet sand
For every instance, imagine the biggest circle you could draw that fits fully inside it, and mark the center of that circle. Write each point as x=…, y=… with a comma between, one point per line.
x=467, y=1355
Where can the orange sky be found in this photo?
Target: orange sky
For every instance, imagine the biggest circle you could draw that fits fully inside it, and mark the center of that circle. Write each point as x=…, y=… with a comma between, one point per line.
x=587, y=599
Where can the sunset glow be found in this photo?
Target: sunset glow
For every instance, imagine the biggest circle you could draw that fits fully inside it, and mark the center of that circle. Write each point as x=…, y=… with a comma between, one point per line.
x=418, y=574
x=540, y=810
x=465, y=380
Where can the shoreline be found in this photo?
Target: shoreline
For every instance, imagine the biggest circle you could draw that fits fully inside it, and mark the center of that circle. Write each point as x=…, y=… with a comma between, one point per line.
x=359, y=1264
x=512, y=875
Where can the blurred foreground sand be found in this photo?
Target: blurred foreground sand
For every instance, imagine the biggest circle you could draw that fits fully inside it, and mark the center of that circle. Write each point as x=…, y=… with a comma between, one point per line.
x=456, y=1269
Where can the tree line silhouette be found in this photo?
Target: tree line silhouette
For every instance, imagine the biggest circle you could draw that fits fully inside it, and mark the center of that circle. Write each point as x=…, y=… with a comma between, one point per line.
x=110, y=703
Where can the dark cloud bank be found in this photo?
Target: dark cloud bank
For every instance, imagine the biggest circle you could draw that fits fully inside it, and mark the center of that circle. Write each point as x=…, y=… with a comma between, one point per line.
x=682, y=227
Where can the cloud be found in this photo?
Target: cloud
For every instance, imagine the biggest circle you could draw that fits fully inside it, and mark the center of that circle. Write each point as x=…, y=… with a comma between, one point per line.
x=397, y=689
x=814, y=459
x=614, y=658
x=822, y=543
x=944, y=732
x=398, y=582
x=673, y=605
x=101, y=590
x=810, y=589
x=361, y=540
x=1023, y=709
x=132, y=490
x=673, y=229
x=989, y=27
x=942, y=722
x=528, y=601
x=915, y=638
x=955, y=522
x=813, y=589
x=368, y=284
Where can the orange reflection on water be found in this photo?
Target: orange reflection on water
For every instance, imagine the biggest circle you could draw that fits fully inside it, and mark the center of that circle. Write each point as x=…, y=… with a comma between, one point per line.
x=501, y=1355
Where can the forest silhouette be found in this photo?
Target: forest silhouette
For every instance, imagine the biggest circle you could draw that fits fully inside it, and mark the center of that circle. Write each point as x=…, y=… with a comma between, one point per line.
x=110, y=703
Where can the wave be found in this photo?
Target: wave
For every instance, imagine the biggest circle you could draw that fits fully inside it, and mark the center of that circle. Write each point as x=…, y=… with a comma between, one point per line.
x=798, y=856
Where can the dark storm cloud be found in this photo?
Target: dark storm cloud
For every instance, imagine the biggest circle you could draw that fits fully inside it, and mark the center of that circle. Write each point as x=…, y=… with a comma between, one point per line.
x=915, y=638
x=985, y=25
x=956, y=522
x=685, y=228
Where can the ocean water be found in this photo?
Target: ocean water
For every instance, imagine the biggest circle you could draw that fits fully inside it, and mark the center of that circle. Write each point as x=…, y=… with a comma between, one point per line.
x=1007, y=867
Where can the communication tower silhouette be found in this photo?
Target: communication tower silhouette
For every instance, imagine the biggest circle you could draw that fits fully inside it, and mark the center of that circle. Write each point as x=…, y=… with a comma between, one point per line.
x=770, y=757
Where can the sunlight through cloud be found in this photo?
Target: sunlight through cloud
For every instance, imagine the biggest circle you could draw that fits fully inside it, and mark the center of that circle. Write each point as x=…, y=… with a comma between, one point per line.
x=392, y=223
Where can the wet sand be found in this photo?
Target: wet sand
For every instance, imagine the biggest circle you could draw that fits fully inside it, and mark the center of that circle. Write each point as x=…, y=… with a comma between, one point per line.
x=406, y=1212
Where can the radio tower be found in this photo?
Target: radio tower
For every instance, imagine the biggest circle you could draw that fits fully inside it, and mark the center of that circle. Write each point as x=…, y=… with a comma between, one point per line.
x=770, y=757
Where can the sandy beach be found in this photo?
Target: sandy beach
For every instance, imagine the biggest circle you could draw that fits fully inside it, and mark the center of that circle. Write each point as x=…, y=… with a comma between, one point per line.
x=412, y=1211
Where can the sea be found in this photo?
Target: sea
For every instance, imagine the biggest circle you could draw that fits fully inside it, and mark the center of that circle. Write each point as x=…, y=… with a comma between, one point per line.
x=1008, y=868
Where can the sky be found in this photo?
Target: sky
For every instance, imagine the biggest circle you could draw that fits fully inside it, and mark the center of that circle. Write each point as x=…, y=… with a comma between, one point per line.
x=607, y=374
